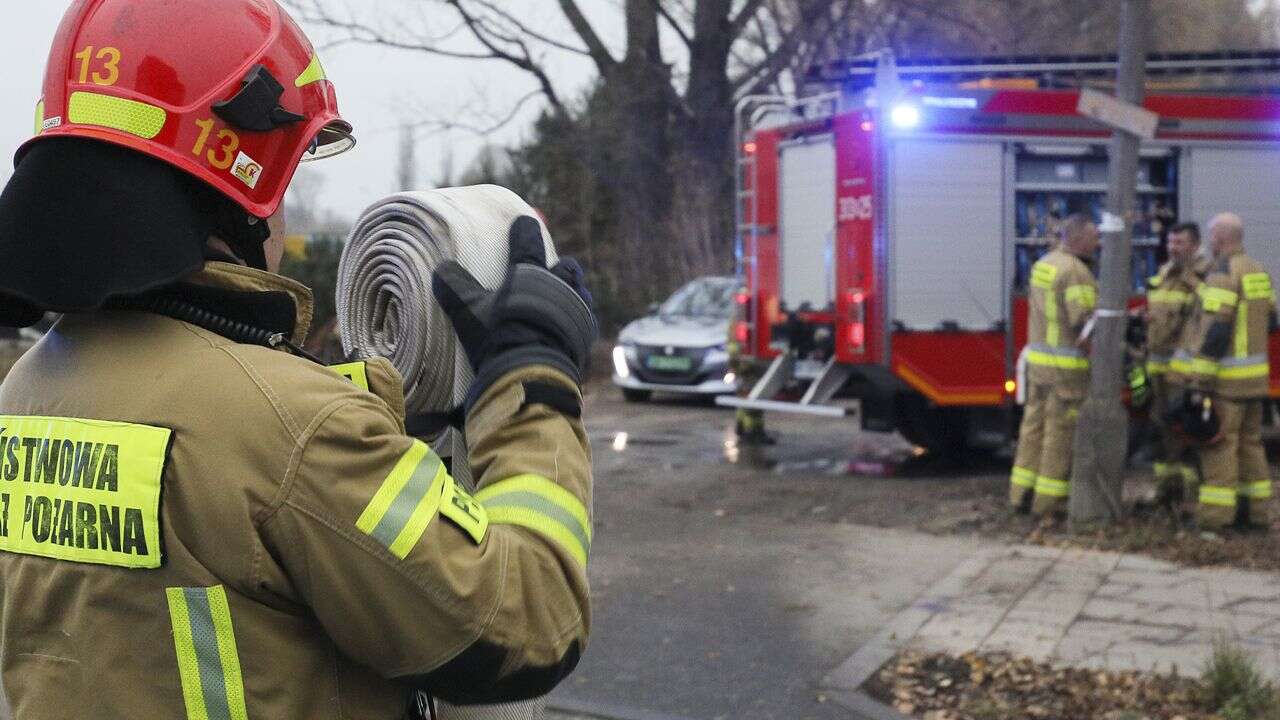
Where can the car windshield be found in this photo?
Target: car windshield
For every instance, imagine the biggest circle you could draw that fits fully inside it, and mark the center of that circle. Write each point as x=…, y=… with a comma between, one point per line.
x=702, y=298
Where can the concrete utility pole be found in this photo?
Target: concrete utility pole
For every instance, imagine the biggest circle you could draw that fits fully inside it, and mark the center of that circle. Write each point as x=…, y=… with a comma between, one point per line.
x=1102, y=435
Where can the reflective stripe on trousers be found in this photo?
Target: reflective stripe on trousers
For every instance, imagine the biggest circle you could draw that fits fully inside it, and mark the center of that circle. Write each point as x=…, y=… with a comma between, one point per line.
x=1057, y=357
x=208, y=664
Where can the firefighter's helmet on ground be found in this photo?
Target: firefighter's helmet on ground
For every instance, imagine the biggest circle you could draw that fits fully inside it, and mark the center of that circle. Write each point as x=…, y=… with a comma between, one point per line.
x=159, y=124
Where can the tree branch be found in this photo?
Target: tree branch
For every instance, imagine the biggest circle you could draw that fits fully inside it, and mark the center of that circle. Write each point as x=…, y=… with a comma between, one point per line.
x=674, y=25
x=524, y=29
x=739, y=22
x=441, y=125
x=595, y=47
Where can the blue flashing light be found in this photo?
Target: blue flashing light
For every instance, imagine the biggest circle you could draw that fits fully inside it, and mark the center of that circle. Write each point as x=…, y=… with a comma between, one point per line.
x=905, y=115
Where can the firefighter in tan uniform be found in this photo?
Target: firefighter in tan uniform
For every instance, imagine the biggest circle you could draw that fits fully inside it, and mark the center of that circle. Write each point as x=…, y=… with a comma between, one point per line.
x=1061, y=298
x=1225, y=356
x=1170, y=301
x=196, y=523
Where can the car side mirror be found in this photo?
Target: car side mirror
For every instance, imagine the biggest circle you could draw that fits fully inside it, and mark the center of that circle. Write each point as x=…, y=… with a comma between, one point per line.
x=653, y=308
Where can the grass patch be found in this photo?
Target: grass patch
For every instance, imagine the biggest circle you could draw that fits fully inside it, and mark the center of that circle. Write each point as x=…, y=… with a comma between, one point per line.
x=1233, y=686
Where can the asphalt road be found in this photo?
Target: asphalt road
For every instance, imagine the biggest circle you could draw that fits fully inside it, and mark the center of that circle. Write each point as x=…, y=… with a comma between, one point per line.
x=722, y=589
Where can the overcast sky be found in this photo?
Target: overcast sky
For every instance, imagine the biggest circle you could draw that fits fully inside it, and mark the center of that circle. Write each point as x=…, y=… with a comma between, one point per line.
x=377, y=90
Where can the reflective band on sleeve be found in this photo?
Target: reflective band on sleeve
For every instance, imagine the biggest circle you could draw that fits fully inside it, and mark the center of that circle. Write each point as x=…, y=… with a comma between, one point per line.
x=540, y=505
x=136, y=118
x=1160, y=469
x=1257, y=286
x=407, y=501
x=1051, y=487
x=1023, y=477
x=1189, y=473
x=1168, y=297
x=208, y=663
x=1257, y=490
x=313, y=73
x=1157, y=367
x=1083, y=295
x=1221, y=496
x=1214, y=299
x=464, y=511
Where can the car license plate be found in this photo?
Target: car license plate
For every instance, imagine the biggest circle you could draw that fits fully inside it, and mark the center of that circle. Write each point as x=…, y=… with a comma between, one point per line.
x=670, y=363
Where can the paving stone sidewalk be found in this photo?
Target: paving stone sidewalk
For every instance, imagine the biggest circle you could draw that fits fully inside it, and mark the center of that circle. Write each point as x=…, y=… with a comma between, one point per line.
x=1084, y=609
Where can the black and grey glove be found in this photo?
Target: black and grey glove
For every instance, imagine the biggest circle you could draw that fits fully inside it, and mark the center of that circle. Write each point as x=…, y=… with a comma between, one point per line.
x=539, y=316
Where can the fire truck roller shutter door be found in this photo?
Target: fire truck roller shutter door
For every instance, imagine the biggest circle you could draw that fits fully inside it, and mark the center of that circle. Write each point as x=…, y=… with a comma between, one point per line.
x=807, y=183
x=1242, y=181
x=946, y=228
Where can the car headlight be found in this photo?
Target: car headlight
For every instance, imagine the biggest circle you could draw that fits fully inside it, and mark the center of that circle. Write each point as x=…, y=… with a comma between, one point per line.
x=718, y=355
x=620, y=366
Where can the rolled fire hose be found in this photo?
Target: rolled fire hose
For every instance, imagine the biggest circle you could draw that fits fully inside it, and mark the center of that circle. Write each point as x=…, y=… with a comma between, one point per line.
x=386, y=309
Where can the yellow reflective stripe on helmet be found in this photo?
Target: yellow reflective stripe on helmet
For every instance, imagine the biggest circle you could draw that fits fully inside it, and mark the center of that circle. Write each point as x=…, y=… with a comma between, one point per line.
x=136, y=118
x=407, y=500
x=1086, y=296
x=1221, y=496
x=313, y=73
x=1169, y=297
x=1051, y=487
x=1214, y=299
x=1257, y=490
x=39, y=117
x=1257, y=286
x=1023, y=477
x=208, y=662
x=1042, y=275
x=538, y=504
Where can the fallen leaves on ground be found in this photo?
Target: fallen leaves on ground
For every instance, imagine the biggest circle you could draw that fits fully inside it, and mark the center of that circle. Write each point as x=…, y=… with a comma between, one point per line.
x=996, y=686
x=1146, y=530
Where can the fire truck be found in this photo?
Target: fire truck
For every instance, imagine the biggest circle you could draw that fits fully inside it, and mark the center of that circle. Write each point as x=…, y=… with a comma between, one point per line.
x=886, y=229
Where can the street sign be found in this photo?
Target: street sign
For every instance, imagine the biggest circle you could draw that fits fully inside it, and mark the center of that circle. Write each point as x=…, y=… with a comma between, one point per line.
x=1133, y=119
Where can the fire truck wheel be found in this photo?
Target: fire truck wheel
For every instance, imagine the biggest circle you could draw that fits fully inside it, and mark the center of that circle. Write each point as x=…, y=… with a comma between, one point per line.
x=636, y=396
x=940, y=430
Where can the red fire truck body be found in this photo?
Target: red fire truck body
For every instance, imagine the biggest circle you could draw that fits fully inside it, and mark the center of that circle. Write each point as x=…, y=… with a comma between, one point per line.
x=887, y=244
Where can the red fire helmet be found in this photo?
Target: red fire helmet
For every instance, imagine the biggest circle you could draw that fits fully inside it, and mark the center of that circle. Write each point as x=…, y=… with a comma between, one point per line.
x=230, y=91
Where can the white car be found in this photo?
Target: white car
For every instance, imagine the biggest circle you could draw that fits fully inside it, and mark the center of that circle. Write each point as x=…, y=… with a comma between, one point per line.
x=680, y=346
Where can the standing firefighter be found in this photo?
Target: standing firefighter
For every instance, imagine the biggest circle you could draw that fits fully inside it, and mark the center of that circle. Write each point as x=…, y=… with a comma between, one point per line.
x=1062, y=296
x=748, y=424
x=1224, y=360
x=195, y=523
x=1170, y=302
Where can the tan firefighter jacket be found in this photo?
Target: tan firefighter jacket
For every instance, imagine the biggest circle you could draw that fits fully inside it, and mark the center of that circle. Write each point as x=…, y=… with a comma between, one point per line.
x=1225, y=346
x=1061, y=297
x=1171, y=296
x=194, y=528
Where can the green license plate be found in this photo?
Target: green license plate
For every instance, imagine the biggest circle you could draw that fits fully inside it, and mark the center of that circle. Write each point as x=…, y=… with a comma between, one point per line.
x=670, y=363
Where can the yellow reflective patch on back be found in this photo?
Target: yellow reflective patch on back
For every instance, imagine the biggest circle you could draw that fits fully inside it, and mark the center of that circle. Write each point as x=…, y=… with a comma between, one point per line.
x=82, y=490
x=1043, y=275
x=355, y=372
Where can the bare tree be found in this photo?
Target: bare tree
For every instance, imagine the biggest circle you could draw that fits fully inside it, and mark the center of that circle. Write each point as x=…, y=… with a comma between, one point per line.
x=672, y=125
x=407, y=170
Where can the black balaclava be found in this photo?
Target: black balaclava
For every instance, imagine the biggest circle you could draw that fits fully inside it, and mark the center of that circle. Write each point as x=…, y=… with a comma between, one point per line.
x=83, y=221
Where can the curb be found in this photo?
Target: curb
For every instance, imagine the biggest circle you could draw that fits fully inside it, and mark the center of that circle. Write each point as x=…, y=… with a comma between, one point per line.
x=864, y=707
x=604, y=711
